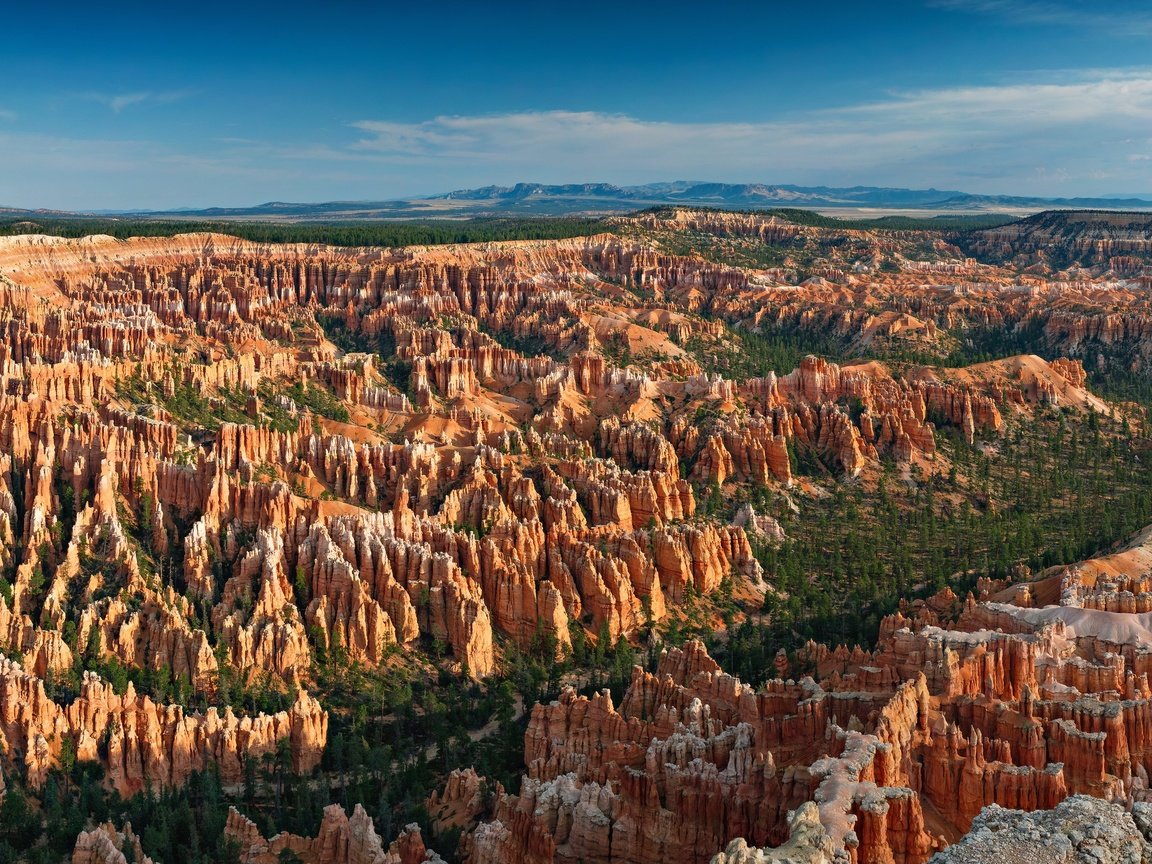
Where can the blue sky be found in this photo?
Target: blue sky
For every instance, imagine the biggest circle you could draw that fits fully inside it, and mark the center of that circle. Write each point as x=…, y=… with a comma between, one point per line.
x=162, y=105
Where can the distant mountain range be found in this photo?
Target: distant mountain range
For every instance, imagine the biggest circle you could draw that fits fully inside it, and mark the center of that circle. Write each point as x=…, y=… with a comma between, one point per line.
x=536, y=199
x=762, y=195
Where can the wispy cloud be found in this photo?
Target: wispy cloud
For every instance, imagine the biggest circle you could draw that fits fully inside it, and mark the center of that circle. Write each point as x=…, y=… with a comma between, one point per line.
x=1070, y=133
x=1115, y=17
x=118, y=102
x=1113, y=97
x=1071, y=128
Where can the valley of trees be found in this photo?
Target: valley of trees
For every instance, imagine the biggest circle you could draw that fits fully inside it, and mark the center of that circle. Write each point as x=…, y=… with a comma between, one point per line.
x=387, y=234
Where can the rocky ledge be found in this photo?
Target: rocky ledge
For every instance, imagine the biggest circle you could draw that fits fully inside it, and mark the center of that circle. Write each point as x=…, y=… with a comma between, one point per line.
x=1080, y=830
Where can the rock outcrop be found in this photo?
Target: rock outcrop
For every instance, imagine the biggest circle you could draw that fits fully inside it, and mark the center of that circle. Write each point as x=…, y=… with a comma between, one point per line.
x=693, y=760
x=808, y=843
x=1081, y=830
x=342, y=839
x=105, y=845
x=140, y=742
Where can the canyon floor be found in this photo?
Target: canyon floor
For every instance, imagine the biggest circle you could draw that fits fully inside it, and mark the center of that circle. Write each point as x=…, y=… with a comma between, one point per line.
x=706, y=537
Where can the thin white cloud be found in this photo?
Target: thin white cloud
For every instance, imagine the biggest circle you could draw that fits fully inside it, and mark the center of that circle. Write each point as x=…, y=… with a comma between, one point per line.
x=1121, y=18
x=118, y=102
x=1071, y=133
x=1125, y=94
x=1070, y=129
